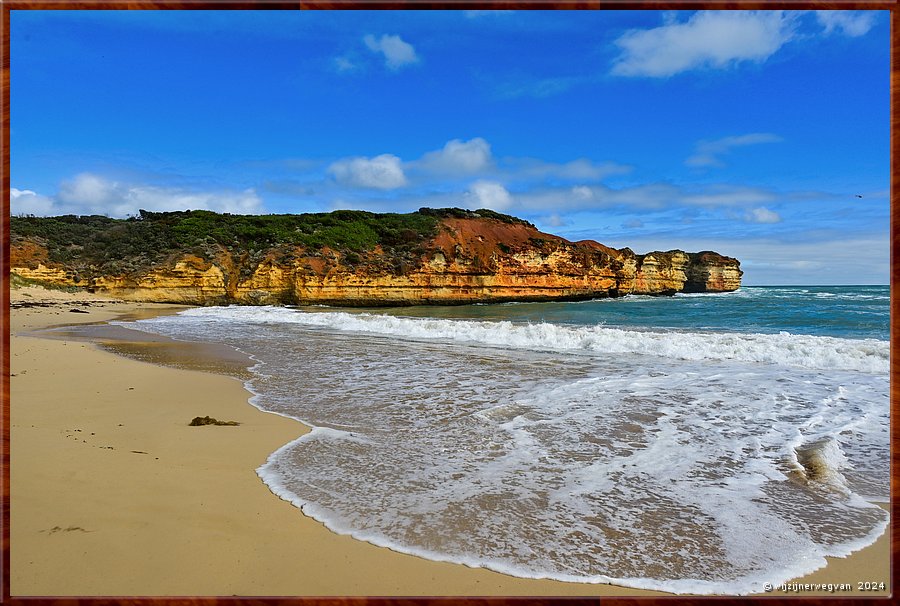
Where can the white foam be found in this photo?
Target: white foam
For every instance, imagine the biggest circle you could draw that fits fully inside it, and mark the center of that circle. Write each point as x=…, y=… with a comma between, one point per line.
x=330, y=433
x=596, y=469
x=688, y=295
x=539, y=441
x=810, y=560
x=784, y=349
x=822, y=461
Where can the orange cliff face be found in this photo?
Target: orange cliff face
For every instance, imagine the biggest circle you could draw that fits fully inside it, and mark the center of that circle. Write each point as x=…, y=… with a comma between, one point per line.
x=470, y=260
x=666, y=273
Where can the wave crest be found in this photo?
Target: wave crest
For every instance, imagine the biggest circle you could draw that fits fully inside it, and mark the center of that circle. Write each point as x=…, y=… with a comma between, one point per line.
x=784, y=349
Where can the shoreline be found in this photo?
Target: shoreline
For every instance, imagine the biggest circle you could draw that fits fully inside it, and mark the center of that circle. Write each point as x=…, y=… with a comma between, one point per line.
x=113, y=494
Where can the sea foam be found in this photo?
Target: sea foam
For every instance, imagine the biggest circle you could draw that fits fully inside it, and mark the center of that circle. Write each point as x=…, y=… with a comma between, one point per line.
x=865, y=355
x=688, y=461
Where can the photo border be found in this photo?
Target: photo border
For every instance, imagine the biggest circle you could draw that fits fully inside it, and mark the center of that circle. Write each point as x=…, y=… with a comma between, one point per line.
x=10, y=5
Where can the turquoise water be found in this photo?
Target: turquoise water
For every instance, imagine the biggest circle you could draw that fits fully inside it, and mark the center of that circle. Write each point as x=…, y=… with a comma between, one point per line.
x=852, y=312
x=693, y=444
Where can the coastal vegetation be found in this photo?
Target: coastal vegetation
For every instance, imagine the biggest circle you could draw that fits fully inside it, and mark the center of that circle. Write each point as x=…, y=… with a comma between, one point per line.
x=17, y=281
x=346, y=257
x=112, y=245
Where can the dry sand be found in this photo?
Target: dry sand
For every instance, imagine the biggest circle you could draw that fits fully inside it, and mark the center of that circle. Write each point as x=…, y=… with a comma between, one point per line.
x=113, y=494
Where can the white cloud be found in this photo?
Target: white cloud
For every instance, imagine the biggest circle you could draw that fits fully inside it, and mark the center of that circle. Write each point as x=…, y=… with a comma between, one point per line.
x=581, y=169
x=708, y=153
x=864, y=260
x=27, y=202
x=441, y=169
x=651, y=196
x=727, y=196
x=715, y=39
x=633, y=224
x=163, y=199
x=343, y=64
x=459, y=157
x=90, y=190
x=851, y=23
x=90, y=194
x=762, y=215
x=582, y=192
x=586, y=170
x=553, y=220
x=381, y=172
x=489, y=194
x=397, y=53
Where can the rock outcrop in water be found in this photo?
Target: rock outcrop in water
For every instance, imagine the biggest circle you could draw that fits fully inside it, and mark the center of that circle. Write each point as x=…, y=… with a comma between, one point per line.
x=444, y=256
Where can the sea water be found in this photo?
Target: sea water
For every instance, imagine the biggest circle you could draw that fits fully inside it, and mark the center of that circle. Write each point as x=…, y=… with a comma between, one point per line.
x=695, y=443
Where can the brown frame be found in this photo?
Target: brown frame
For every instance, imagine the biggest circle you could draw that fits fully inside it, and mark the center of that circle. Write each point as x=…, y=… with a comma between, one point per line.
x=8, y=5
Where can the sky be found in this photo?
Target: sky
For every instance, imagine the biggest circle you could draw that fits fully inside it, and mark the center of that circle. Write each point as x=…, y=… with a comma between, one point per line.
x=762, y=135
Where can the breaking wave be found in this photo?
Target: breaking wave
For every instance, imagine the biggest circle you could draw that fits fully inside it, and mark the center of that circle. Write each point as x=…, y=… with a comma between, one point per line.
x=690, y=461
x=785, y=349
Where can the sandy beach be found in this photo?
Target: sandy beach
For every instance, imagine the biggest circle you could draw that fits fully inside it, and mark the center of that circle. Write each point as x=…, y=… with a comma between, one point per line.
x=114, y=494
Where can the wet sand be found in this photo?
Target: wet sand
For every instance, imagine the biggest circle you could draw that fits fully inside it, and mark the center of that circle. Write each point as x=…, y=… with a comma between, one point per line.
x=114, y=494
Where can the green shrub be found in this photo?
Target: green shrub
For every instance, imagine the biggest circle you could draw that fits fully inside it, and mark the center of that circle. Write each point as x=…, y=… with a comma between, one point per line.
x=121, y=245
x=100, y=245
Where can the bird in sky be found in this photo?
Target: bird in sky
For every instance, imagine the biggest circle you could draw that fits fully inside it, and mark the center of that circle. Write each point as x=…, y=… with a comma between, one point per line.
x=859, y=195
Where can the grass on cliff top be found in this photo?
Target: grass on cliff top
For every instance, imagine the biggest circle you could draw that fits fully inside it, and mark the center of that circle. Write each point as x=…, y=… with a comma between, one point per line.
x=121, y=245
x=16, y=281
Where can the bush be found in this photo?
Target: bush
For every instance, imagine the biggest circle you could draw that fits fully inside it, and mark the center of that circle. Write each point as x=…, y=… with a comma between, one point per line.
x=122, y=245
x=460, y=213
x=100, y=245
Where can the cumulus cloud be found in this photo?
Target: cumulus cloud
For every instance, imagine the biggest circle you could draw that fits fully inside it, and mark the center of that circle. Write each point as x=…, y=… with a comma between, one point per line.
x=90, y=190
x=459, y=157
x=27, y=202
x=396, y=52
x=850, y=23
x=90, y=194
x=163, y=199
x=467, y=159
x=762, y=215
x=708, y=153
x=381, y=172
x=715, y=39
x=488, y=194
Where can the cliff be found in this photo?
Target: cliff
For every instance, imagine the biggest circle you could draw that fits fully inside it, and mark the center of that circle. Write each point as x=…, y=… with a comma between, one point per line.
x=346, y=258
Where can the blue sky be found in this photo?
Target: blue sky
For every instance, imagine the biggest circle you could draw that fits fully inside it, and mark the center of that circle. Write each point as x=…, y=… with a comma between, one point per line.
x=752, y=133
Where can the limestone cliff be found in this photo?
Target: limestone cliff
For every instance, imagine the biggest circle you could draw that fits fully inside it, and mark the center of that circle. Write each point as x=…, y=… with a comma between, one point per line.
x=466, y=258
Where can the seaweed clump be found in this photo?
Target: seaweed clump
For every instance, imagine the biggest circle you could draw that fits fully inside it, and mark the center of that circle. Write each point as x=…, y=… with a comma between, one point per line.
x=198, y=421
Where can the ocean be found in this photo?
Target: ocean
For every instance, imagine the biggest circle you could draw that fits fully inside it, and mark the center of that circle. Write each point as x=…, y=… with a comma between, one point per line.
x=704, y=443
